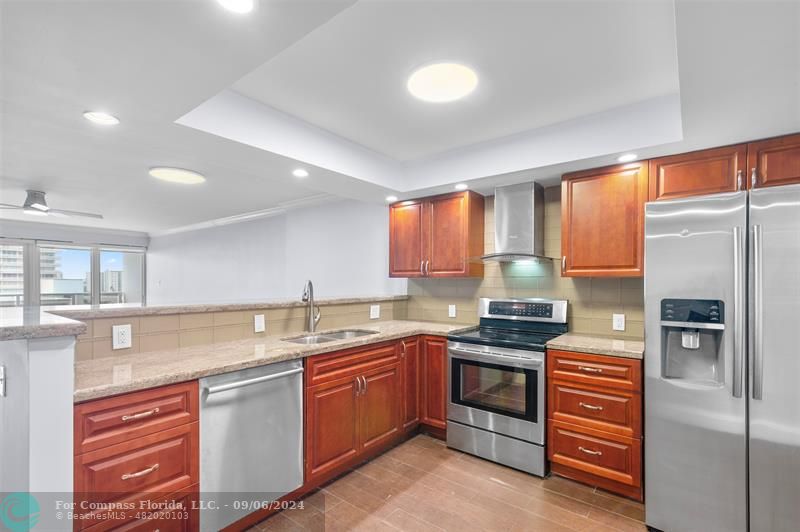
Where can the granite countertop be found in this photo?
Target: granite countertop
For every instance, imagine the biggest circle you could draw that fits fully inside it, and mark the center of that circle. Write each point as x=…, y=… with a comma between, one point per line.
x=599, y=345
x=88, y=312
x=19, y=323
x=119, y=374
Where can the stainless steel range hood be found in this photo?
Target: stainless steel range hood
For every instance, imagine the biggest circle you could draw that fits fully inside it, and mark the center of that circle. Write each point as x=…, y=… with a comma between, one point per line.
x=518, y=223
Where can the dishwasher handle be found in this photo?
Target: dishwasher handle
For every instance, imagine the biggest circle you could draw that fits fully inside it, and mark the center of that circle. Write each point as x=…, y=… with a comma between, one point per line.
x=248, y=382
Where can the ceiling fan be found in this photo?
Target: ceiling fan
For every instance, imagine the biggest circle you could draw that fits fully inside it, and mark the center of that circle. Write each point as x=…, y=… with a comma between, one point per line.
x=36, y=204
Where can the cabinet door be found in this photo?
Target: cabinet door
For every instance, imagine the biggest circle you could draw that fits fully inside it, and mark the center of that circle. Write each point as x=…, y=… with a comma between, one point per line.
x=456, y=235
x=774, y=161
x=602, y=221
x=409, y=356
x=331, y=428
x=698, y=173
x=407, y=239
x=434, y=370
x=379, y=409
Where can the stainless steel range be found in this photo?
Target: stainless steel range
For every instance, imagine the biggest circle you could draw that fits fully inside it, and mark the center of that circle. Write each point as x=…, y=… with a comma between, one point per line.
x=496, y=385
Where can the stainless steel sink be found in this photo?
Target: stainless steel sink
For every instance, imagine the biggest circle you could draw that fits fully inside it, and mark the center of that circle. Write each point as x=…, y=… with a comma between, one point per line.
x=321, y=338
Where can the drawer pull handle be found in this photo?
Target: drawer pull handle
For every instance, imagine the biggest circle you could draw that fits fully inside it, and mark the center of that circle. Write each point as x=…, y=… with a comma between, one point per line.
x=587, y=369
x=140, y=415
x=587, y=406
x=589, y=451
x=143, y=472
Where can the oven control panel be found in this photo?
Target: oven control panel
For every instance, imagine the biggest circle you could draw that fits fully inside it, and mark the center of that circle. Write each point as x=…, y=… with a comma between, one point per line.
x=529, y=310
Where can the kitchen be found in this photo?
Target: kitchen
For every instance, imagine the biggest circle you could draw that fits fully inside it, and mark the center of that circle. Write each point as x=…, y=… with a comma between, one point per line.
x=512, y=265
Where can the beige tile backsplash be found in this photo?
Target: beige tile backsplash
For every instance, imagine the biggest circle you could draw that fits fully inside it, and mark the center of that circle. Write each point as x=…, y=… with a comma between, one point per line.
x=153, y=333
x=592, y=301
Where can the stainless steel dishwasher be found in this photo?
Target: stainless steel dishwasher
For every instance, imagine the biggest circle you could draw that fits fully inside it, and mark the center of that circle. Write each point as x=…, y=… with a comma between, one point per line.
x=251, y=440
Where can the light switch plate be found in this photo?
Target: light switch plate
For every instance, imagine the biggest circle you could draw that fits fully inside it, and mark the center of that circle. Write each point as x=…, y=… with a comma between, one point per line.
x=374, y=312
x=451, y=311
x=259, y=324
x=618, y=322
x=121, y=337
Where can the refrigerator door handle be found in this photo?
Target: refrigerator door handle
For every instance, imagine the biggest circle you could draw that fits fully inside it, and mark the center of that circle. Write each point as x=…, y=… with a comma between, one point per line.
x=738, y=303
x=758, y=311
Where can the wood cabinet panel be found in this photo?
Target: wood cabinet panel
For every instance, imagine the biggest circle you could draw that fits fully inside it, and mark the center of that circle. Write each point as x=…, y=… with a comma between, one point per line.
x=407, y=238
x=331, y=427
x=618, y=412
x=112, y=420
x=598, y=370
x=350, y=362
x=412, y=378
x=434, y=394
x=697, y=173
x=774, y=161
x=449, y=235
x=380, y=411
x=179, y=512
x=602, y=221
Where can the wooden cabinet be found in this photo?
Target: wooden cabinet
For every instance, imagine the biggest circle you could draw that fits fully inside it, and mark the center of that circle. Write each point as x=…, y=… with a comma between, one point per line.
x=774, y=162
x=352, y=406
x=594, y=420
x=697, y=173
x=412, y=379
x=602, y=221
x=434, y=390
x=136, y=448
x=437, y=236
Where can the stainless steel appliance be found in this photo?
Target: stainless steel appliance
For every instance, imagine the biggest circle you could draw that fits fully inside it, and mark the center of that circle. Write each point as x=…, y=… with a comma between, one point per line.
x=251, y=440
x=722, y=401
x=496, y=386
x=518, y=223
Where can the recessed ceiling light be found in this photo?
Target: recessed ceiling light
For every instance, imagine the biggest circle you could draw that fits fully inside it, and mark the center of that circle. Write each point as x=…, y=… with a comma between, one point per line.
x=442, y=82
x=99, y=117
x=391, y=199
x=176, y=175
x=238, y=6
x=462, y=186
x=300, y=172
x=627, y=157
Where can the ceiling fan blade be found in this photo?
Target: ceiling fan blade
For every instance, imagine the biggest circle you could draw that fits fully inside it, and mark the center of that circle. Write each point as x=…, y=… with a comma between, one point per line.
x=7, y=206
x=74, y=213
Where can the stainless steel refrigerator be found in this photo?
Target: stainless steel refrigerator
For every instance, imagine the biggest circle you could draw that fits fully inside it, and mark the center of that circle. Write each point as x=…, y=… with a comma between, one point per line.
x=722, y=362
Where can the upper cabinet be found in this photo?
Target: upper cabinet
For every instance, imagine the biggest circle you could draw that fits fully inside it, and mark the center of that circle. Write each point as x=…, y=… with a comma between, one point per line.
x=602, y=221
x=437, y=236
x=774, y=162
x=699, y=172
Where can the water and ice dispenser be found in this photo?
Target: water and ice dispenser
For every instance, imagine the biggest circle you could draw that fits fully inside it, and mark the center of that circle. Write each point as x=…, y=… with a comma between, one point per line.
x=692, y=340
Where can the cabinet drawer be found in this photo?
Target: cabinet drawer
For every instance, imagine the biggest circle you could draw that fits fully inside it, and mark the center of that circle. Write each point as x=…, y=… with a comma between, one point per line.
x=127, y=417
x=597, y=370
x=601, y=454
x=141, y=470
x=340, y=364
x=617, y=412
x=175, y=513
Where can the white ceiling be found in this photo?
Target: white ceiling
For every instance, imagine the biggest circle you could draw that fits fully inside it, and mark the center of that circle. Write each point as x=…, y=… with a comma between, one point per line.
x=539, y=63
x=564, y=85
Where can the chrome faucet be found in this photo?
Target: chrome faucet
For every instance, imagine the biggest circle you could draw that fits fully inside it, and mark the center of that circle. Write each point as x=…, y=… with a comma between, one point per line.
x=313, y=312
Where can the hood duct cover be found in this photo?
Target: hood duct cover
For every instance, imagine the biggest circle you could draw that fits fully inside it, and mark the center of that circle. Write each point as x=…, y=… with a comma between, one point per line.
x=518, y=223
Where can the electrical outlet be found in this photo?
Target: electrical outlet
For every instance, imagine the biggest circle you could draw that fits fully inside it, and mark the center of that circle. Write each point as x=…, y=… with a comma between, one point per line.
x=374, y=312
x=259, y=324
x=451, y=311
x=618, y=322
x=121, y=337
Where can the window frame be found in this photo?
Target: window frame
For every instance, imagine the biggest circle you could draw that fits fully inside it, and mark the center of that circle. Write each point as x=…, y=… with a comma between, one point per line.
x=31, y=266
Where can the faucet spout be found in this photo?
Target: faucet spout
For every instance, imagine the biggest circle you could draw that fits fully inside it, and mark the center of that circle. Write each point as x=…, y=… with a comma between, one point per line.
x=312, y=311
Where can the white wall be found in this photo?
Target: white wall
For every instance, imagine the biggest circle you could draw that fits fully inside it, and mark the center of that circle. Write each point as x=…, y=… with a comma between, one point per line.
x=343, y=247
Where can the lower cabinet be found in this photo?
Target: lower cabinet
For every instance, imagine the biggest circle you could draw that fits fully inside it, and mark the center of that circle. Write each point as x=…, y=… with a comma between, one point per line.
x=412, y=380
x=594, y=426
x=434, y=390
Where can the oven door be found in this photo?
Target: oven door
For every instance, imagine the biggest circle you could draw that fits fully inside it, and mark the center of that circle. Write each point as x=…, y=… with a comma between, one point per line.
x=497, y=389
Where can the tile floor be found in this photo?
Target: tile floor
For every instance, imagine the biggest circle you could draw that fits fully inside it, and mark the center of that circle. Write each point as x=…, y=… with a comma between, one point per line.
x=422, y=485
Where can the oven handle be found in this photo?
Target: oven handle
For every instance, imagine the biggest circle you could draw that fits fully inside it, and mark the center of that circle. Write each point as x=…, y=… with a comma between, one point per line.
x=496, y=357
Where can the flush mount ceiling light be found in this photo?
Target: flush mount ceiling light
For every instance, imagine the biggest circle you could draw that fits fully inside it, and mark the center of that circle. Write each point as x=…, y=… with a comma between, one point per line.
x=442, y=82
x=391, y=199
x=176, y=175
x=238, y=6
x=462, y=186
x=99, y=117
x=627, y=157
x=300, y=172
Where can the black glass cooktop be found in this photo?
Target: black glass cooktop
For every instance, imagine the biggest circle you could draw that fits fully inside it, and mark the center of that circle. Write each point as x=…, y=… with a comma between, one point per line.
x=532, y=341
